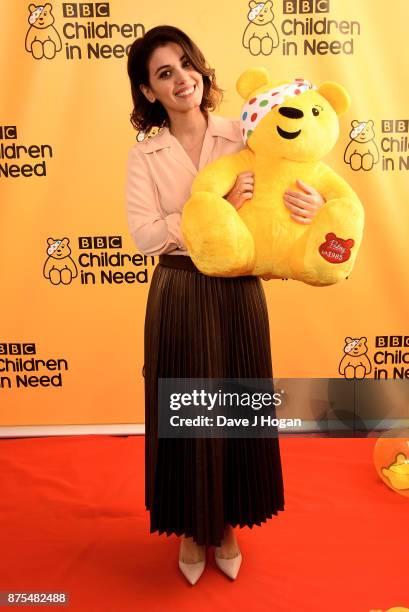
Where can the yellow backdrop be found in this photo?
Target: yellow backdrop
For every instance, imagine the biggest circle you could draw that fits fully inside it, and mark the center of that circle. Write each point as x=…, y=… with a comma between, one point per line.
x=64, y=139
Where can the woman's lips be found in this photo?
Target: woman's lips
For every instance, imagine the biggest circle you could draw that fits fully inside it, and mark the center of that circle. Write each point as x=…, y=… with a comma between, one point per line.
x=186, y=95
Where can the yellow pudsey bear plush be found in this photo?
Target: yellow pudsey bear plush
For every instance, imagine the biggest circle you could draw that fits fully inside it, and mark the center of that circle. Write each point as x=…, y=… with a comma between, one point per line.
x=288, y=128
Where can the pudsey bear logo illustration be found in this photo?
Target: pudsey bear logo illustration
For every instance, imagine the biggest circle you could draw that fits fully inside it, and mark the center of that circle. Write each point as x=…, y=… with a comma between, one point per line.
x=398, y=472
x=260, y=35
x=361, y=152
x=59, y=266
x=355, y=363
x=141, y=136
x=42, y=38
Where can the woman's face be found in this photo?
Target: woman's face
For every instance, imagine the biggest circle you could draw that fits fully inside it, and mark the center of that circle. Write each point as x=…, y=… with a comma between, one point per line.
x=173, y=80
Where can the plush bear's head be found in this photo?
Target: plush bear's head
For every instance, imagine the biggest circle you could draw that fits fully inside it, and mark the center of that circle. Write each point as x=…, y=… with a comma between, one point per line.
x=292, y=120
x=58, y=248
x=261, y=12
x=355, y=346
x=41, y=15
x=362, y=131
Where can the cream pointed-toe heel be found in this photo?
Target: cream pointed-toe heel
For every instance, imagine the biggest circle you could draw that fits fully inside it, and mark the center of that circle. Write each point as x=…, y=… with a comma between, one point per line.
x=229, y=566
x=192, y=571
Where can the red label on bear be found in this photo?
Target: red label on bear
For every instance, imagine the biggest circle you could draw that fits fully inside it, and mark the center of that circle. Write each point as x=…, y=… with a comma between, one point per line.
x=336, y=250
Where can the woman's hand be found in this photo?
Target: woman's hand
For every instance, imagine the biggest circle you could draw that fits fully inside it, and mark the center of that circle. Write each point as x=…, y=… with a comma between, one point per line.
x=303, y=206
x=242, y=190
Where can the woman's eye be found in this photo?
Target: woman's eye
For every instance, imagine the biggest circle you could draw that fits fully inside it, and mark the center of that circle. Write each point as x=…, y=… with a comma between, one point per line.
x=164, y=74
x=186, y=63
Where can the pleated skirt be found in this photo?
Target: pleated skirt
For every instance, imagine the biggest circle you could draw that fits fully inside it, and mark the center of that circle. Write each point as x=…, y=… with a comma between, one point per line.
x=198, y=326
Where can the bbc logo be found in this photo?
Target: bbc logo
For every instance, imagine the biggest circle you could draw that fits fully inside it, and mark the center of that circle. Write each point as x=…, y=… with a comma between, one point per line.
x=17, y=348
x=392, y=341
x=100, y=242
x=85, y=9
x=395, y=125
x=295, y=7
x=8, y=132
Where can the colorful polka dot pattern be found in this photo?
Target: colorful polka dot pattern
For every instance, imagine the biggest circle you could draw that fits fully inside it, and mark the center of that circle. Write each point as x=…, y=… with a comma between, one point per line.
x=257, y=107
x=35, y=14
x=255, y=11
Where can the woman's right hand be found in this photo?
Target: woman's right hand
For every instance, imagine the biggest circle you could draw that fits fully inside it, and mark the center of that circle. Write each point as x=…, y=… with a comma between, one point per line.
x=242, y=189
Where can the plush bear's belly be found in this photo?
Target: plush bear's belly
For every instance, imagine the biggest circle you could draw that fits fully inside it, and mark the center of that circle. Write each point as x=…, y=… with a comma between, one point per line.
x=270, y=223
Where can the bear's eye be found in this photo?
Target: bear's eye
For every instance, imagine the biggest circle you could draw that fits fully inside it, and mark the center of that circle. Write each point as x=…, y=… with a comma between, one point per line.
x=315, y=112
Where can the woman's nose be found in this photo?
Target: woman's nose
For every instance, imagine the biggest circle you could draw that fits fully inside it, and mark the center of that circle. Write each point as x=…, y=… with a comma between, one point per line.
x=181, y=76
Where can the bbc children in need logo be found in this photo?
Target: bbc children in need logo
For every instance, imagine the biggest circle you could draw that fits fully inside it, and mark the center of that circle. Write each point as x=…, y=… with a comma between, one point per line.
x=81, y=31
x=388, y=359
x=362, y=150
x=22, y=368
x=18, y=160
x=298, y=27
x=100, y=262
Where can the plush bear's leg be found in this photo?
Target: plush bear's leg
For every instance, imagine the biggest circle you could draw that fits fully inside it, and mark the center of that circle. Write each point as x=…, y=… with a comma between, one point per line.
x=218, y=241
x=344, y=218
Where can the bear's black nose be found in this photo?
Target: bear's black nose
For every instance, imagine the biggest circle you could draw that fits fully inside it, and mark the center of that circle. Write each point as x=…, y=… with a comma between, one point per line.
x=291, y=113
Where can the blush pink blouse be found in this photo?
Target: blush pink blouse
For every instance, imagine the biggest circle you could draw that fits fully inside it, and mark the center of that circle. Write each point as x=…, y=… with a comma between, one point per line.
x=159, y=179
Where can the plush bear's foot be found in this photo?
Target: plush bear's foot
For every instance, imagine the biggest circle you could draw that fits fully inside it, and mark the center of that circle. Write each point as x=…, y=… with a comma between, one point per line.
x=218, y=241
x=326, y=253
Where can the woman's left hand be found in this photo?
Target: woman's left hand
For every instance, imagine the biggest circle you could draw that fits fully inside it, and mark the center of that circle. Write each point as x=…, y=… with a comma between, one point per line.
x=303, y=206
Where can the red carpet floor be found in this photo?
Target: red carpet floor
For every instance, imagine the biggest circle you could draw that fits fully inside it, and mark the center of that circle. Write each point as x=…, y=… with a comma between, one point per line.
x=72, y=519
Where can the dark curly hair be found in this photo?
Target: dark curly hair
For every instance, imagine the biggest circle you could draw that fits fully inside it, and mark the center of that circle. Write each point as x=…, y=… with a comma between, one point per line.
x=146, y=115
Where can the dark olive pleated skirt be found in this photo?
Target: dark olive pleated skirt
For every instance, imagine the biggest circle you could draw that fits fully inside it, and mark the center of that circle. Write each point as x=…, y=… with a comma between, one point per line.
x=199, y=326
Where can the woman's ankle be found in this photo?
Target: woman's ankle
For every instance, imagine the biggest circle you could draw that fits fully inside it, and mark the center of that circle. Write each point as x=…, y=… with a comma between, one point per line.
x=191, y=550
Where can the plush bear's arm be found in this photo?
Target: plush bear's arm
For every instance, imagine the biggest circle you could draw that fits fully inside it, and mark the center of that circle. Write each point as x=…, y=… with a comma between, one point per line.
x=220, y=175
x=331, y=185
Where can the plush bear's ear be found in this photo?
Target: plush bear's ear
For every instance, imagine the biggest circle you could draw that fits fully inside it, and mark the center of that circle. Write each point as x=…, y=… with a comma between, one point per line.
x=251, y=80
x=32, y=7
x=336, y=95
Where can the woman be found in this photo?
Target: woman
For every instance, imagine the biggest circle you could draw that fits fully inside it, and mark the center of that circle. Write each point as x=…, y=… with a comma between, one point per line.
x=196, y=326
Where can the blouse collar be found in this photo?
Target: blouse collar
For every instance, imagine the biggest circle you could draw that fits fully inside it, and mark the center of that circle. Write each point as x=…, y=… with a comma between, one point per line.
x=216, y=126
